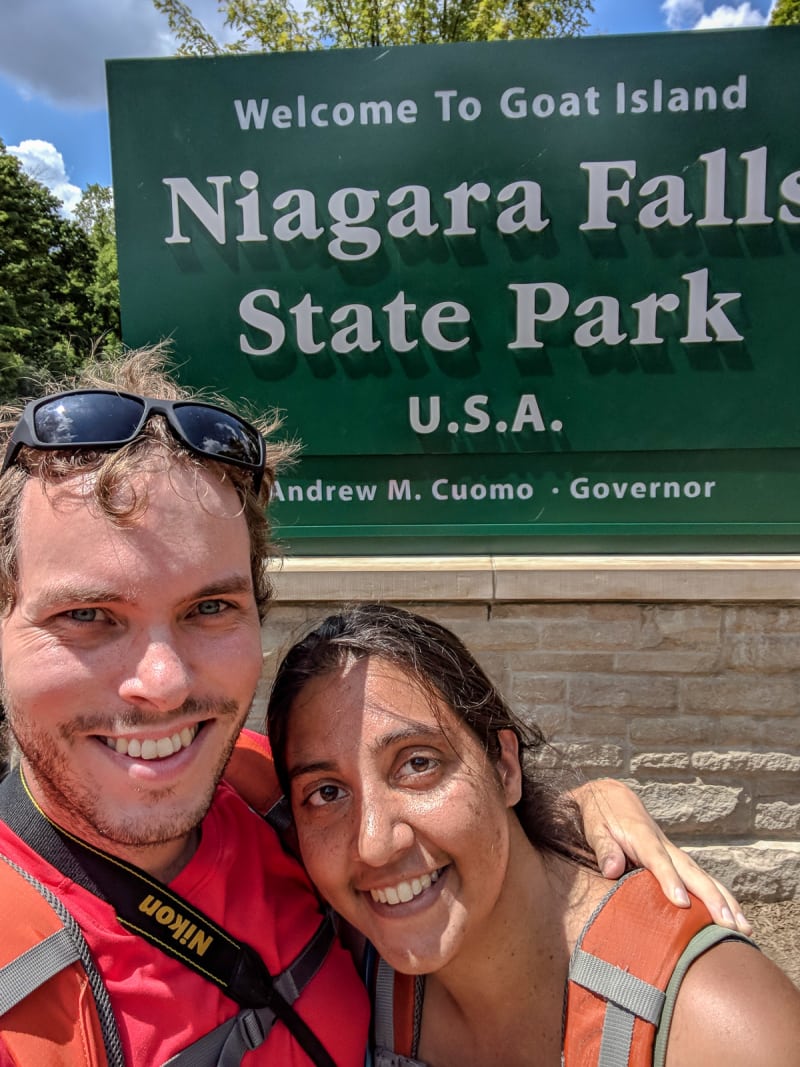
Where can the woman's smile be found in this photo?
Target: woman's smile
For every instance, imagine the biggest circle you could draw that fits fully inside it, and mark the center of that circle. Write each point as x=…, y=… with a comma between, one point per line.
x=396, y=815
x=405, y=891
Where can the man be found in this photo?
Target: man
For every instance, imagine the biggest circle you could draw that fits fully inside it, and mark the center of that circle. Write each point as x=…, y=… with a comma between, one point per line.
x=133, y=584
x=133, y=548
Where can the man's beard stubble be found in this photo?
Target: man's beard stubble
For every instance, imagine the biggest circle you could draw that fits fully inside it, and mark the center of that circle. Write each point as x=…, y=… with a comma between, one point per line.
x=70, y=798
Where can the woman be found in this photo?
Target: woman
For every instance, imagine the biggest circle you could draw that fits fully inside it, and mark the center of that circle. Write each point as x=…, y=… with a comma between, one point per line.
x=419, y=825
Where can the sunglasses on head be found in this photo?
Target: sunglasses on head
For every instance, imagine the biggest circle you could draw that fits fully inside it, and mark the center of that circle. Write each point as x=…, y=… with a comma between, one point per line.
x=102, y=419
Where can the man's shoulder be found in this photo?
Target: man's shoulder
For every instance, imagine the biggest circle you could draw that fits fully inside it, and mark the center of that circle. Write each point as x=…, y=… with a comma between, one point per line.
x=251, y=771
x=18, y=853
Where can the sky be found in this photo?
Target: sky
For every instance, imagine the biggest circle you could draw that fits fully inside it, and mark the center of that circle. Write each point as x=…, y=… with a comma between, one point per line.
x=52, y=78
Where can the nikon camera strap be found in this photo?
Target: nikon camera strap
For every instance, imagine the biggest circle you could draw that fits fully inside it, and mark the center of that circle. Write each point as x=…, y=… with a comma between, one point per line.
x=150, y=909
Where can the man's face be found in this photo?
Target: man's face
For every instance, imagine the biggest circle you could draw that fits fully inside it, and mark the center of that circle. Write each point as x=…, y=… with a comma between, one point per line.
x=131, y=656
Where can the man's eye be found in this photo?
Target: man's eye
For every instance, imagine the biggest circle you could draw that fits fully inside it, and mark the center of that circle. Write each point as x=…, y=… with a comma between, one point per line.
x=326, y=794
x=210, y=607
x=84, y=614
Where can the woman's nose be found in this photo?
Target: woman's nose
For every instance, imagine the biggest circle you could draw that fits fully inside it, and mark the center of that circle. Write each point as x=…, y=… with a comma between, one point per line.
x=383, y=832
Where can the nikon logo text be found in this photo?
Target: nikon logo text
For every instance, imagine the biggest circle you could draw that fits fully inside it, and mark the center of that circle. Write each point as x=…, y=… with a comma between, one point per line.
x=182, y=930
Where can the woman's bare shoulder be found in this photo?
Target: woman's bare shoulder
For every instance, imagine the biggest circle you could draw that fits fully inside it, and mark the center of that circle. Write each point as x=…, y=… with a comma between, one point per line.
x=735, y=1009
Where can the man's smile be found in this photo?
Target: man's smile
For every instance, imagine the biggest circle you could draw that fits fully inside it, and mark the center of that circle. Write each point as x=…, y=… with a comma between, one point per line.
x=151, y=748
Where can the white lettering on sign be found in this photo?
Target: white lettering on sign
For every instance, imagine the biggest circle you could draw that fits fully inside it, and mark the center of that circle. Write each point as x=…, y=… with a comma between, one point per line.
x=705, y=317
x=241, y=210
x=256, y=114
x=442, y=326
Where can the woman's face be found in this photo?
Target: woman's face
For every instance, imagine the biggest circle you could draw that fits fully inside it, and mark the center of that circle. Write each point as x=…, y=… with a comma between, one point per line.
x=403, y=825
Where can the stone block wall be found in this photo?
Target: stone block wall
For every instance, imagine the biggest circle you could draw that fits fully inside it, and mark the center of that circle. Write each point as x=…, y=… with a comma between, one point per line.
x=693, y=704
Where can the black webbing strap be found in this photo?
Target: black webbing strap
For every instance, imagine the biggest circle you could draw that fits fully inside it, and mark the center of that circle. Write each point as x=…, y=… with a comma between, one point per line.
x=150, y=909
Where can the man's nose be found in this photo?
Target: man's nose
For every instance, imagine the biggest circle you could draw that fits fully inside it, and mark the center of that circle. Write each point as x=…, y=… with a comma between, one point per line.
x=160, y=675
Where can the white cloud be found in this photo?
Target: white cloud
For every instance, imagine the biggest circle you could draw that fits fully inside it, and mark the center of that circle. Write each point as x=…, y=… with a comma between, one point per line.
x=682, y=14
x=691, y=15
x=726, y=16
x=56, y=49
x=44, y=162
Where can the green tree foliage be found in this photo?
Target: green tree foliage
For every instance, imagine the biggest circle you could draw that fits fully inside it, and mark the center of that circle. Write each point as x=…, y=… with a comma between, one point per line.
x=50, y=320
x=785, y=13
x=95, y=216
x=281, y=26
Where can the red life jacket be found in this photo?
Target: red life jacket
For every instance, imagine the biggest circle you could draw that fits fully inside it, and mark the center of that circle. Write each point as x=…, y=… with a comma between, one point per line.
x=54, y=1009
x=619, y=974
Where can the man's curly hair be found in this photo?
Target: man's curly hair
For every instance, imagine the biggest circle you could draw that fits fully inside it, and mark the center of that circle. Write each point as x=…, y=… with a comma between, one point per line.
x=146, y=372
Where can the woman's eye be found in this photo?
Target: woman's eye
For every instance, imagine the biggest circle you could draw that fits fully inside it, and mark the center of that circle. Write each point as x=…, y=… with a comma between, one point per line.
x=419, y=765
x=325, y=794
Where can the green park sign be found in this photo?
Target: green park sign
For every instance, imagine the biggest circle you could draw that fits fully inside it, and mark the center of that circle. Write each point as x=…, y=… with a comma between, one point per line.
x=531, y=296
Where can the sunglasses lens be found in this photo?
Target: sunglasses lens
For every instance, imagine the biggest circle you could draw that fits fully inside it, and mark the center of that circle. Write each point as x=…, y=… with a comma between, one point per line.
x=217, y=433
x=87, y=418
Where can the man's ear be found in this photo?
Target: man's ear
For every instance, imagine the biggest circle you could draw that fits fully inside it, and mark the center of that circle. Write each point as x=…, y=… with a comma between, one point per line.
x=508, y=766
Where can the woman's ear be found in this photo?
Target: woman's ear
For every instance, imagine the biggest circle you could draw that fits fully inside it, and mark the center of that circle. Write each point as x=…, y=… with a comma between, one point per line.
x=508, y=766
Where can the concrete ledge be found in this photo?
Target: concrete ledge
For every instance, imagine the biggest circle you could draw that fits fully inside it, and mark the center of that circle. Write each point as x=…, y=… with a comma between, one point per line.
x=761, y=871
x=386, y=578
x=539, y=578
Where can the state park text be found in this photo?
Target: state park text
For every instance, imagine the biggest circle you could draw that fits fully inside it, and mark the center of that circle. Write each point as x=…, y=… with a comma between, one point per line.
x=353, y=224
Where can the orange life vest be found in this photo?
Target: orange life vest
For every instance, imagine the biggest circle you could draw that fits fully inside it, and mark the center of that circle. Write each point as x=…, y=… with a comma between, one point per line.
x=634, y=947
x=57, y=1021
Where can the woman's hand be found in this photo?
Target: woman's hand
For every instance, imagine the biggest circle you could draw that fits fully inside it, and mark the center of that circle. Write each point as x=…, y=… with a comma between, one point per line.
x=619, y=829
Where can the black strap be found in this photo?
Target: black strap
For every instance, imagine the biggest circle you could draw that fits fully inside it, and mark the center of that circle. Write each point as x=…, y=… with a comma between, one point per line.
x=150, y=909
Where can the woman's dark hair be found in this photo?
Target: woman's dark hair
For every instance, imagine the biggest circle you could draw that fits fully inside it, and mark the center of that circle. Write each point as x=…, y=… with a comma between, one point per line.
x=442, y=665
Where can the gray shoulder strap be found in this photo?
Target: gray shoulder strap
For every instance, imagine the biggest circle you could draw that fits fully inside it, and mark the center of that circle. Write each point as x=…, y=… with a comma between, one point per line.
x=33, y=968
x=227, y=1044
x=627, y=997
x=383, y=1021
x=700, y=943
x=383, y=1008
x=383, y=1057
x=22, y=976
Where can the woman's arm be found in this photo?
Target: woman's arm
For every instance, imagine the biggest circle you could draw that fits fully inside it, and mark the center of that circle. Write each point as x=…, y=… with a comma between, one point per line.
x=620, y=830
